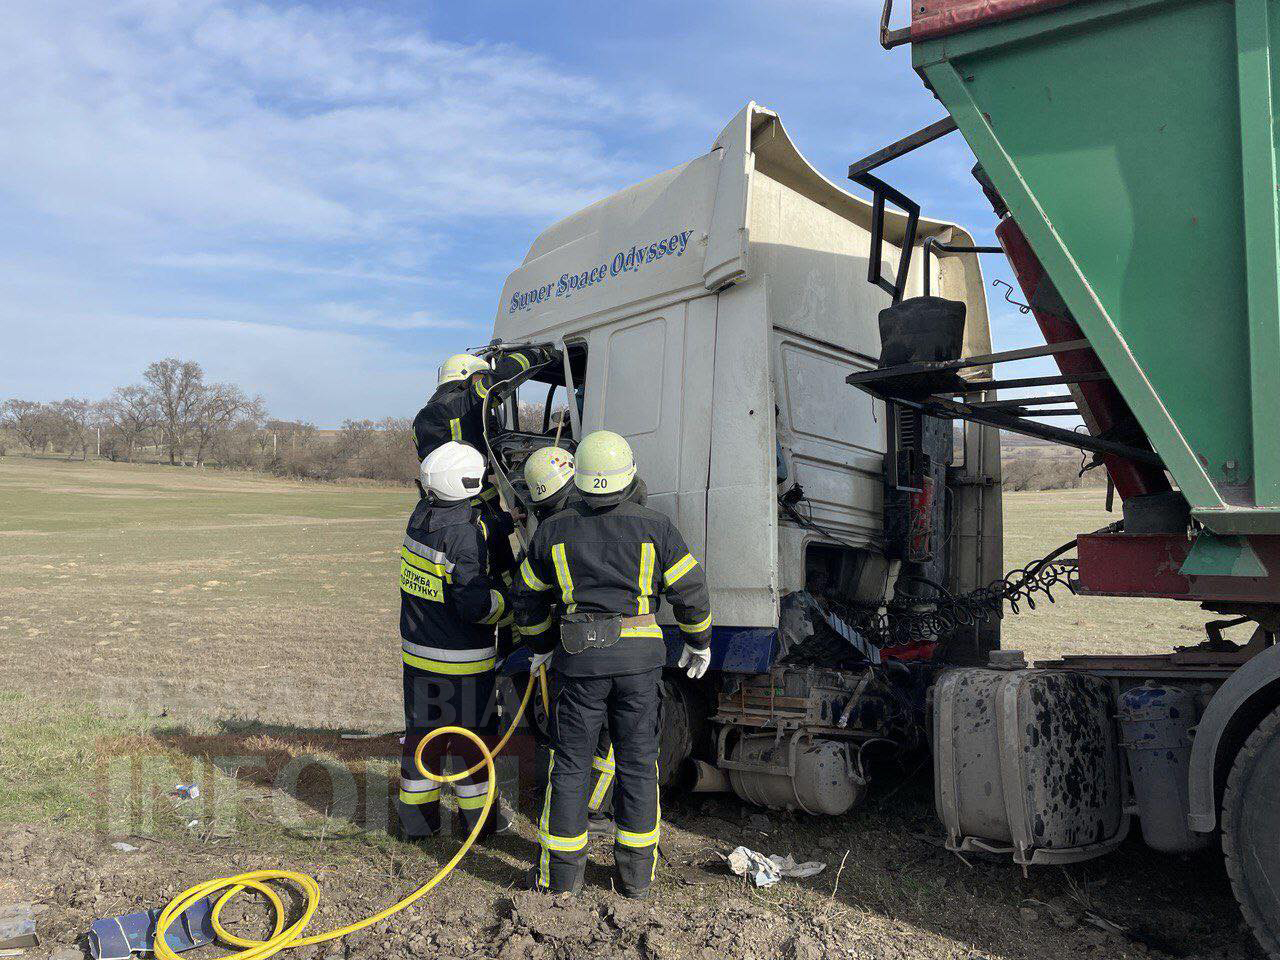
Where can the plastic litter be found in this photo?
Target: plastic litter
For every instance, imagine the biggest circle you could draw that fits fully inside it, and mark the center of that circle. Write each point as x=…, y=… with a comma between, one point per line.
x=765, y=871
x=118, y=938
x=186, y=791
x=123, y=847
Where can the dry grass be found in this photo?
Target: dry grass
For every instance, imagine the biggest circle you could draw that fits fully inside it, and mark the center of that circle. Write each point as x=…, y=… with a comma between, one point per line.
x=1036, y=522
x=162, y=625
x=145, y=584
x=108, y=567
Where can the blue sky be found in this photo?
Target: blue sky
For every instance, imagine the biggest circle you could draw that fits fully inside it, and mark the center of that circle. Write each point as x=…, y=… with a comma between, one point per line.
x=320, y=201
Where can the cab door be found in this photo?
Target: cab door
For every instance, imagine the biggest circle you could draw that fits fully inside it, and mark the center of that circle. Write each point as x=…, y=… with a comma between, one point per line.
x=649, y=379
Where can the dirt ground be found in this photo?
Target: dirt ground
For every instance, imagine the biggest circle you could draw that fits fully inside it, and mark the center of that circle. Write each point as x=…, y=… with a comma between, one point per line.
x=162, y=626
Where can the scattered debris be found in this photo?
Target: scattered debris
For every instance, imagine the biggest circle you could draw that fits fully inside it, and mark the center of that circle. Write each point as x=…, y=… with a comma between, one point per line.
x=123, y=847
x=118, y=938
x=1102, y=923
x=766, y=871
x=186, y=791
x=17, y=927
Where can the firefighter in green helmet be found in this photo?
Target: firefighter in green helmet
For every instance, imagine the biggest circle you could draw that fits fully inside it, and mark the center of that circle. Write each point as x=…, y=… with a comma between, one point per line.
x=600, y=567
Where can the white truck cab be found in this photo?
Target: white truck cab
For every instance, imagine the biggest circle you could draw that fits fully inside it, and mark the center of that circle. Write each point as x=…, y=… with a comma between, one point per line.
x=711, y=315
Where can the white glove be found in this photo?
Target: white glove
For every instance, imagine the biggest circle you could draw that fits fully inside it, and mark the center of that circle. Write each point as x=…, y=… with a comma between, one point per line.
x=538, y=660
x=696, y=660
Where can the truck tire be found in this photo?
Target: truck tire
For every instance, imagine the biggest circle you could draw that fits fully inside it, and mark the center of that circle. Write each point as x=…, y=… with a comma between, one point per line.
x=1250, y=840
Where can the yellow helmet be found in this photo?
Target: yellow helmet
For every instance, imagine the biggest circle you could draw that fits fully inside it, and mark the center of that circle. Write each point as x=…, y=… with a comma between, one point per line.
x=605, y=464
x=547, y=471
x=460, y=367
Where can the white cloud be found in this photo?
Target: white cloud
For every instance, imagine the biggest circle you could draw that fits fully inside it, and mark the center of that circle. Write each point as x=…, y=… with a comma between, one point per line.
x=290, y=123
x=308, y=190
x=362, y=315
x=257, y=263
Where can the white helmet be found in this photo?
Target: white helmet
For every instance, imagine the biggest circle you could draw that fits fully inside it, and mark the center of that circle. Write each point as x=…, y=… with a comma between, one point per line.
x=546, y=471
x=605, y=464
x=452, y=471
x=459, y=367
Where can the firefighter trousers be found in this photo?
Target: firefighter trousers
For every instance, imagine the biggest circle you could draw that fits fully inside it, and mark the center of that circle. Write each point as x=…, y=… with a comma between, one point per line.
x=601, y=798
x=630, y=705
x=433, y=700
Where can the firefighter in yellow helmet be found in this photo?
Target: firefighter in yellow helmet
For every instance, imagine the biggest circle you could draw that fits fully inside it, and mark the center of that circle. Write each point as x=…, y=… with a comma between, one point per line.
x=455, y=413
x=600, y=567
x=455, y=409
x=548, y=473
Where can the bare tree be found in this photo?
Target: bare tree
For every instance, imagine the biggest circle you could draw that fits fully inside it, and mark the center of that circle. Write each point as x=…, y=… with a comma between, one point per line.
x=25, y=418
x=131, y=412
x=177, y=386
x=298, y=435
x=37, y=425
x=219, y=407
x=78, y=418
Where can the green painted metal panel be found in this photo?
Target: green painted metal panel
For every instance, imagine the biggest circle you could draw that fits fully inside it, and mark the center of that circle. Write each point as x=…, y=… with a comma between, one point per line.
x=1212, y=556
x=1134, y=143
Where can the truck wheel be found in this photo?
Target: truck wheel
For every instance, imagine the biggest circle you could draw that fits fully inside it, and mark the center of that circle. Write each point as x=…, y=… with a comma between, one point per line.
x=1250, y=840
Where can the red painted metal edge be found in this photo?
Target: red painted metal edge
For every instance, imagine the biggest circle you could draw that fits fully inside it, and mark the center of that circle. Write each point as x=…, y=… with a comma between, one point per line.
x=1147, y=565
x=936, y=18
x=1103, y=407
x=1134, y=565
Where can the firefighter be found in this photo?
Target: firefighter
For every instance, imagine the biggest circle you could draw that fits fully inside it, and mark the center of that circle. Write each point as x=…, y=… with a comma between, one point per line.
x=606, y=561
x=449, y=606
x=455, y=410
x=455, y=413
x=548, y=473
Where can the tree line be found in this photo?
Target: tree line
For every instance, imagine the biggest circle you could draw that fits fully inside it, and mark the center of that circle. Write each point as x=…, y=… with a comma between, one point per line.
x=174, y=414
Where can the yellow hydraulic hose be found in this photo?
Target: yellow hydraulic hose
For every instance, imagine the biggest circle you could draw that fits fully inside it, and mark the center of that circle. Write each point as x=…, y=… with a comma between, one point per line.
x=282, y=937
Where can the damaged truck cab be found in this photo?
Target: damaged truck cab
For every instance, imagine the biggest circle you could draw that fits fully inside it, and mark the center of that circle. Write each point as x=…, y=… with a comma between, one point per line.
x=711, y=315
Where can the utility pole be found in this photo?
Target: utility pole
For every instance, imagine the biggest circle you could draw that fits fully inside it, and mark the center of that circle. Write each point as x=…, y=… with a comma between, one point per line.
x=98, y=431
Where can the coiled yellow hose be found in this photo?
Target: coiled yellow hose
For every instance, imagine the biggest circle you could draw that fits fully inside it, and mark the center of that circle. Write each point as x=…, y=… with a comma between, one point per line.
x=282, y=937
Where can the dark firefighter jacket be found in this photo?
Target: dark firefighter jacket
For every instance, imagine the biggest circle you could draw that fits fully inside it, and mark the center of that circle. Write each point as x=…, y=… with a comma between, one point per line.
x=449, y=604
x=455, y=410
x=616, y=560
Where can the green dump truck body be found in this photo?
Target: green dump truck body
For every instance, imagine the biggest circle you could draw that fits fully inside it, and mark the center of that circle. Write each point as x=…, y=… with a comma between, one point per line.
x=1134, y=142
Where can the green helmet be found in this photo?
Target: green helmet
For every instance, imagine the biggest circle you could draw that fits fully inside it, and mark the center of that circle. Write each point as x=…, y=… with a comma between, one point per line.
x=547, y=471
x=605, y=464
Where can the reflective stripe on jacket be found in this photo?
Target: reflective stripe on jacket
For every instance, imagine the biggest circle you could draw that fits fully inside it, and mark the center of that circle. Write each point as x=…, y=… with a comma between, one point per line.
x=618, y=560
x=455, y=410
x=449, y=603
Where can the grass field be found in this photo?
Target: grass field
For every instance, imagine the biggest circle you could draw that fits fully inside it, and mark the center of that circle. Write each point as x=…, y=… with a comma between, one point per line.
x=105, y=567
x=161, y=625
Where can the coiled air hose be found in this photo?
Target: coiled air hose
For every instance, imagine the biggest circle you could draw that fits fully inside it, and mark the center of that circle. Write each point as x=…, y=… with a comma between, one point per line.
x=284, y=937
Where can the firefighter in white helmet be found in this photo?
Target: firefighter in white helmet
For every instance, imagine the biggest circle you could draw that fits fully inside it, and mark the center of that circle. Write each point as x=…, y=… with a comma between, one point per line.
x=450, y=604
x=600, y=567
